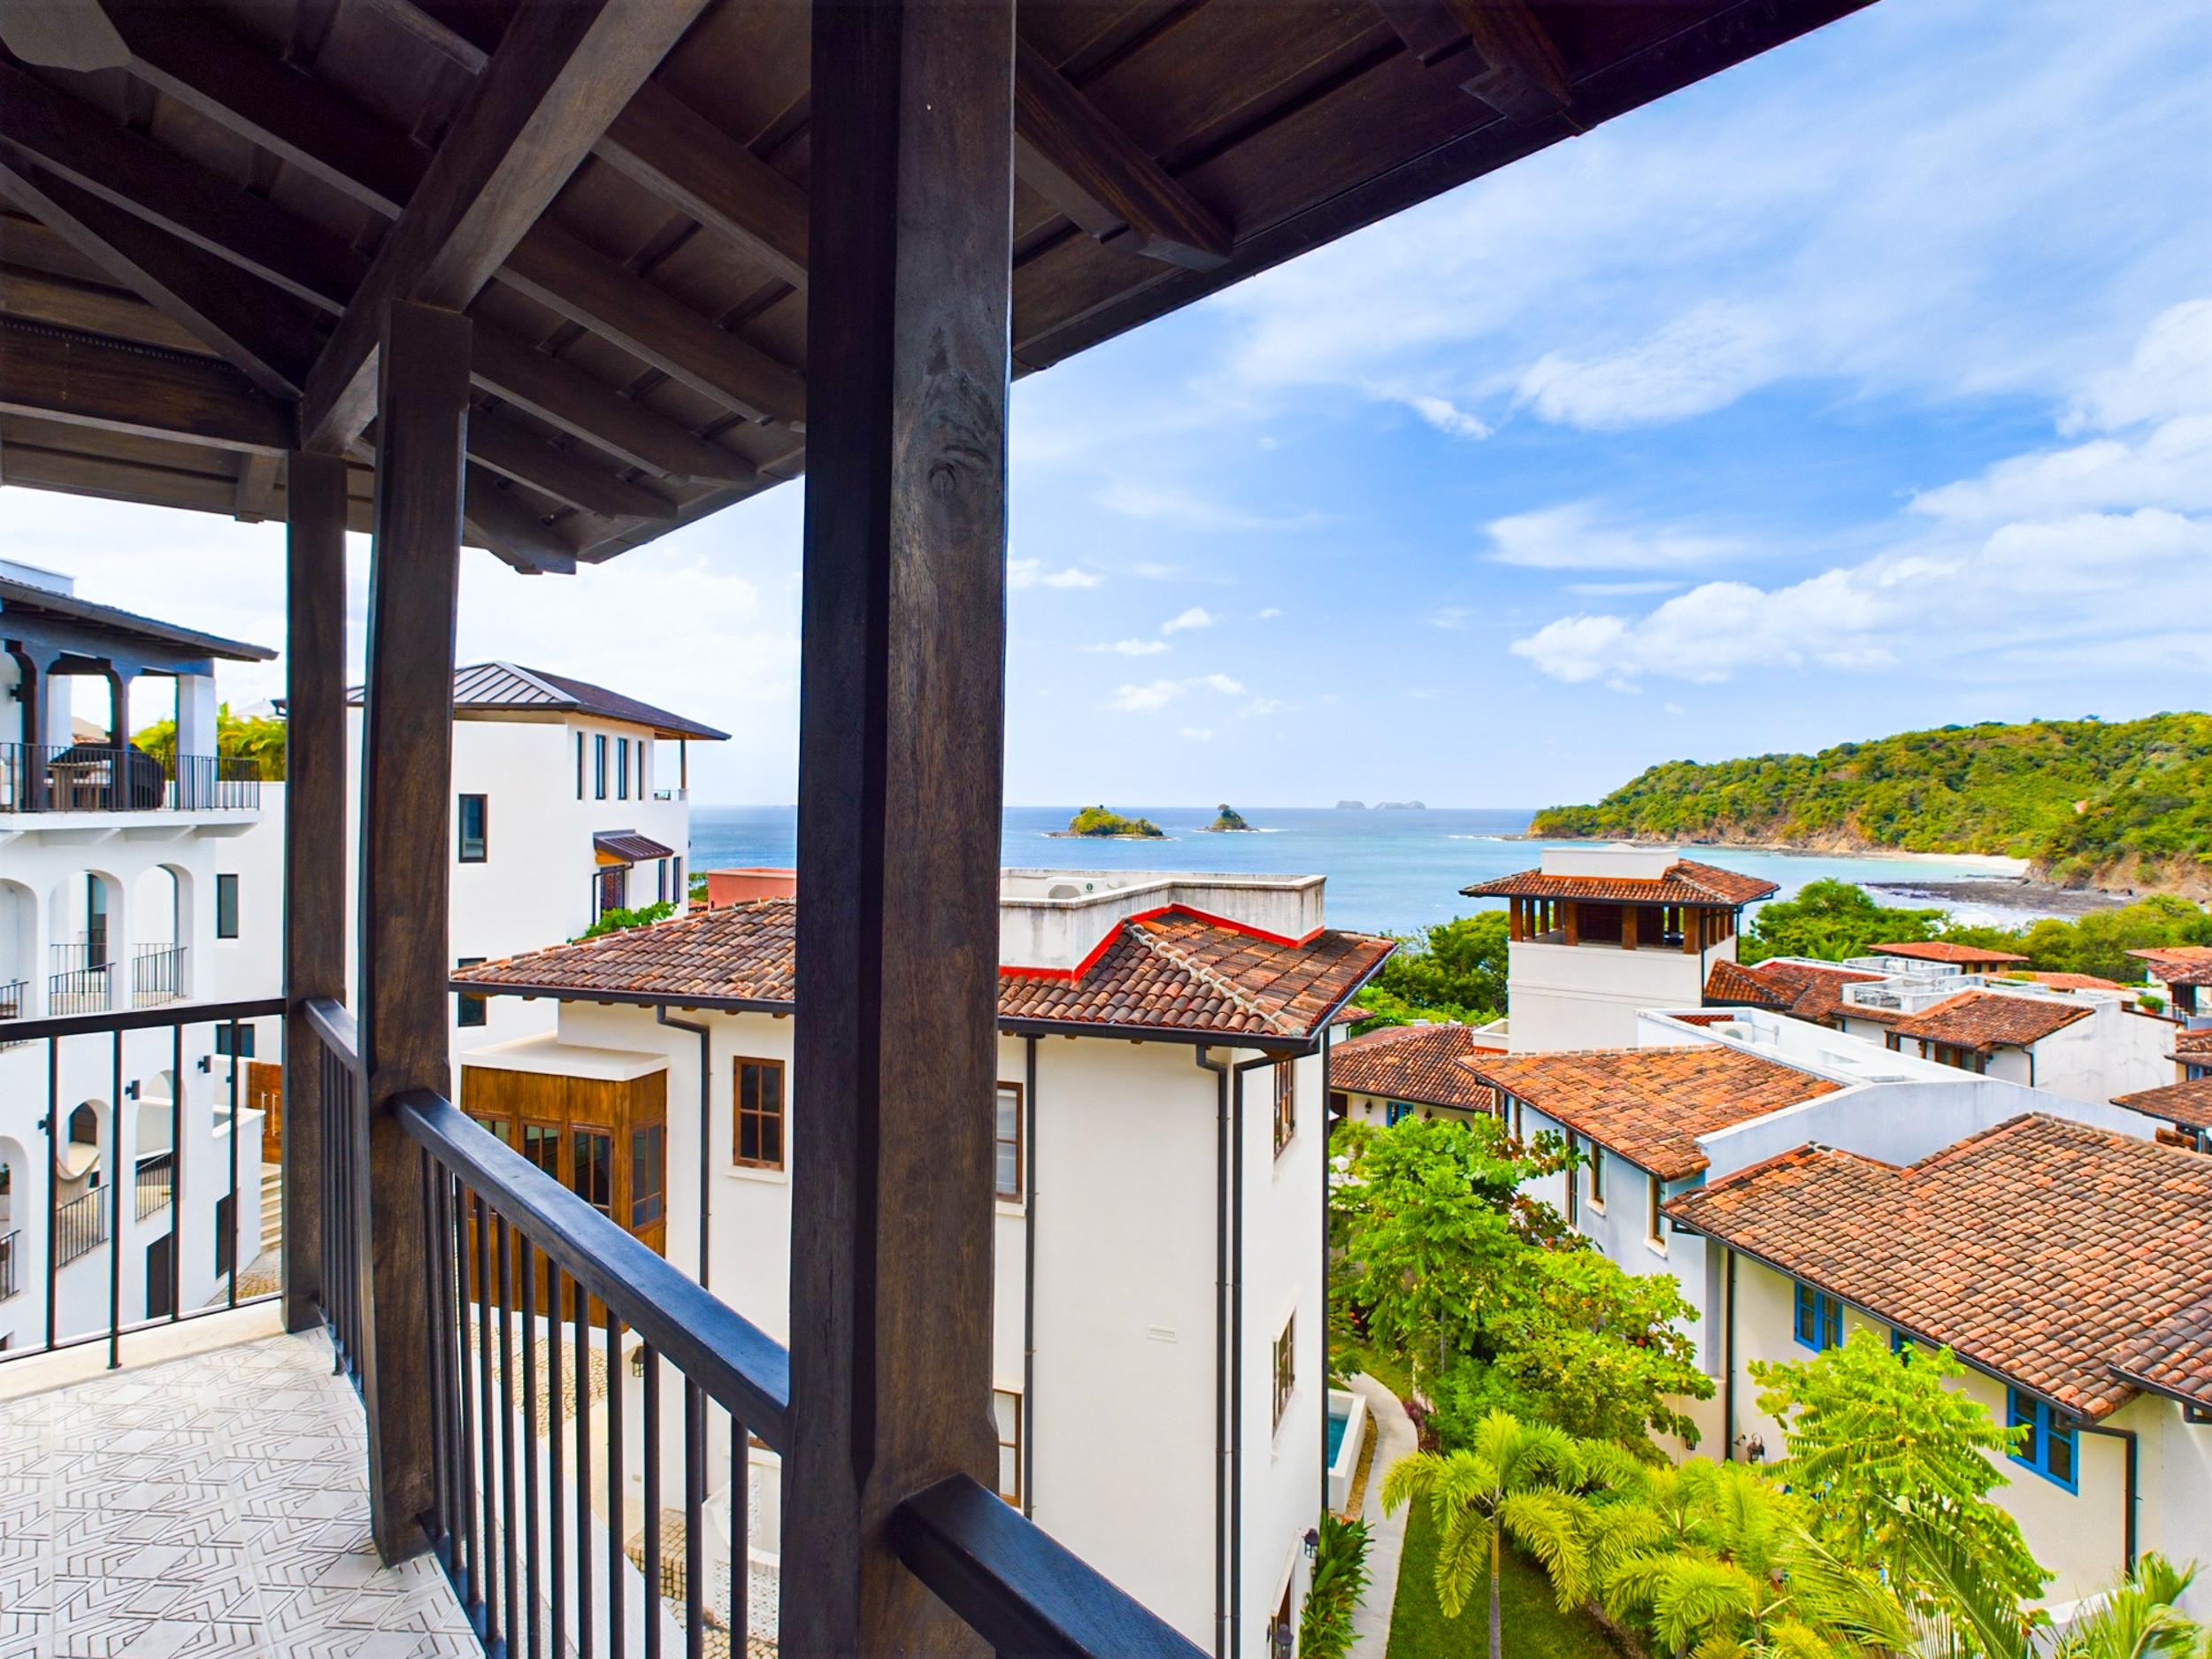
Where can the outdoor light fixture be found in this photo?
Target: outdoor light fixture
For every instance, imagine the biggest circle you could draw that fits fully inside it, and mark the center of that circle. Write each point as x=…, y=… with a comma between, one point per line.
x=130, y=1089
x=207, y=1063
x=1313, y=1542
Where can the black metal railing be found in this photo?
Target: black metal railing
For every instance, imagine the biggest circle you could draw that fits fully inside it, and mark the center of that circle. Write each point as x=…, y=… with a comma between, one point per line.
x=80, y=1226
x=130, y=1047
x=15, y=1002
x=515, y=1254
x=117, y=777
x=8, y=1286
x=156, y=1183
x=77, y=980
x=338, y=1087
x=157, y=974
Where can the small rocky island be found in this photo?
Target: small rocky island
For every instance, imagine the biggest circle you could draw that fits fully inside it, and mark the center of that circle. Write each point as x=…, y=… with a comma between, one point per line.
x=1400, y=806
x=1351, y=806
x=1231, y=822
x=1098, y=823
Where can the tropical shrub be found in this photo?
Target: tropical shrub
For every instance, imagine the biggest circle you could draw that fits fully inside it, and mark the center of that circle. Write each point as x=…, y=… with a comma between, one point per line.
x=614, y=921
x=1339, y=1582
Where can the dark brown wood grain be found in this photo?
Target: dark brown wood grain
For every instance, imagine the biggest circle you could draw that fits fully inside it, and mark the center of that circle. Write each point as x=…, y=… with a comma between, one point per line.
x=582, y=480
x=902, y=712
x=406, y=798
x=87, y=380
x=498, y=519
x=561, y=74
x=315, y=842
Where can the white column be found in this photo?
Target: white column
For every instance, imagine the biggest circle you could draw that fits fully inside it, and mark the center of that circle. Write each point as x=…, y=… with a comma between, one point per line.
x=53, y=709
x=196, y=714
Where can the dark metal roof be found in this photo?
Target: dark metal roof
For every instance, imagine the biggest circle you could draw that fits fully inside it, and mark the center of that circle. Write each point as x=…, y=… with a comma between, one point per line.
x=630, y=847
x=27, y=597
x=508, y=688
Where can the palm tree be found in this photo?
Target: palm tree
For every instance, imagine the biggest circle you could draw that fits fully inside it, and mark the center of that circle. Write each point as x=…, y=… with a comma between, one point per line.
x=2139, y=1619
x=1518, y=1479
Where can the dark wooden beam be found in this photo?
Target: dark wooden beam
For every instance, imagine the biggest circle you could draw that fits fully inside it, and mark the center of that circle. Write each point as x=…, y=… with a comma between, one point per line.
x=33, y=296
x=560, y=76
x=565, y=277
x=1093, y=171
x=75, y=141
x=315, y=509
x=257, y=486
x=60, y=375
x=508, y=528
x=665, y=145
x=901, y=716
x=62, y=35
x=573, y=401
x=231, y=311
x=406, y=813
x=583, y=481
x=1517, y=71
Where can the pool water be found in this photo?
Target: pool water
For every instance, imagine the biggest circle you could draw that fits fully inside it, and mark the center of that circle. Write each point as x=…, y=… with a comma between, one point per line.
x=1337, y=1421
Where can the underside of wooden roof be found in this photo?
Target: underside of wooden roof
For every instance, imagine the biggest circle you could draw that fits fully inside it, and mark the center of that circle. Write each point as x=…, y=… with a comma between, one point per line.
x=205, y=206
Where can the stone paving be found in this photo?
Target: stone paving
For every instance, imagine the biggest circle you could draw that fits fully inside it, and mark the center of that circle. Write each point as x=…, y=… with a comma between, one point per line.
x=210, y=1505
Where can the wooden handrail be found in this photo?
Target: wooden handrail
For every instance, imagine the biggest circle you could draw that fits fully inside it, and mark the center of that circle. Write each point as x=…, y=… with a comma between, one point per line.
x=332, y=1023
x=142, y=1019
x=1017, y=1587
x=740, y=1366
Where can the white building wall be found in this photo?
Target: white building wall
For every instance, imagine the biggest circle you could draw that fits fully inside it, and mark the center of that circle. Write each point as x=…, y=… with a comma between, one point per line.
x=1121, y=1435
x=1587, y=996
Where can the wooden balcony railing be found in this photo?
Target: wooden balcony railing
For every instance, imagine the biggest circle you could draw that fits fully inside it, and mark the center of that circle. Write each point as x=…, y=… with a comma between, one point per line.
x=111, y=777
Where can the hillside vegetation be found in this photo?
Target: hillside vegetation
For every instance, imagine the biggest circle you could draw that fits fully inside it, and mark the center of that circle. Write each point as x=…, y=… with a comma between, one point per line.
x=2121, y=804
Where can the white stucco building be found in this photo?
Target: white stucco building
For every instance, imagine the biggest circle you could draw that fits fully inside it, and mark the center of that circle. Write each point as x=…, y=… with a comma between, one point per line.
x=123, y=892
x=1160, y=1133
x=1601, y=933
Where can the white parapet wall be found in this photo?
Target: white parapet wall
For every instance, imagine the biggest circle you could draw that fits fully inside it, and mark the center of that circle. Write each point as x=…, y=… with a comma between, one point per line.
x=1054, y=919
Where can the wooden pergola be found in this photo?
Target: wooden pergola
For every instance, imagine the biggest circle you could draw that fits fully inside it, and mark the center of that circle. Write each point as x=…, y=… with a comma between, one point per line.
x=551, y=278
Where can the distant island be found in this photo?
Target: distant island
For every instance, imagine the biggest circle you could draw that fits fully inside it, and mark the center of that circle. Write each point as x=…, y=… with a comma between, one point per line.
x=1351, y=806
x=2124, y=805
x=1231, y=822
x=1400, y=806
x=1097, y=822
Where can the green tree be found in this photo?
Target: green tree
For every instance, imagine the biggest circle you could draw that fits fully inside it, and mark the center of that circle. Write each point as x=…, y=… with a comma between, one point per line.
x=1830, y=920
x=1900, y=1469
x=1491, y=1301
x=2139, y=1619
x=1339, y=1582
x=1455, y=971
x=258, y=738
x=1526, y=1481
x=2099, y=942
x=614, y=920
x=1713, y=1559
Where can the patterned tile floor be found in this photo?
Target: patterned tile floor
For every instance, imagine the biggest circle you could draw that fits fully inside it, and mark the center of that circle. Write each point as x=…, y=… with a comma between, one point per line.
x=213, y=1505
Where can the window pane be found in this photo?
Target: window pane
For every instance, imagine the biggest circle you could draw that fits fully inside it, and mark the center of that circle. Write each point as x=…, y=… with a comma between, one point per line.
x=592, y=1169
x=2059, y=1451
x=542, y=1145
x=647, y=1174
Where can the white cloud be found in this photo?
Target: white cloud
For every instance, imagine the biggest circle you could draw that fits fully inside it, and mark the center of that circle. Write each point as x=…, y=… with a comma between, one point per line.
x=1572, y=537
x=1620, y=589
x=1165, y=503
x=2069, y=555
x=1448, y=417
x=1153, y=571
x=1267, y=614
x=1451, y=619
x=1196, y=617
x=1265, y=706
x=1150, y=698
x=1032, y=573
x=1199, y=733
x=1699, y=362
x=1132, y=648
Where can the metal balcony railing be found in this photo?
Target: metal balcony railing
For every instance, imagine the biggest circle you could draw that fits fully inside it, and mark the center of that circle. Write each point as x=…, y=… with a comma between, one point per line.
x=111, y=777
x=15, y=996
x=157, y=974
x=8, y=1286
x=156, y=1183
x=79, y=990
x=80, y=1226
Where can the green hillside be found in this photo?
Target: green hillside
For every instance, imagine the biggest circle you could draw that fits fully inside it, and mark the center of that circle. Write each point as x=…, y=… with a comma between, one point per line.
x=2121, y=804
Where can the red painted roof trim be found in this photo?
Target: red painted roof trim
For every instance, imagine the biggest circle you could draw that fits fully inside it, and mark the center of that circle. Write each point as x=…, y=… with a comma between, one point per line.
x=1015, y=971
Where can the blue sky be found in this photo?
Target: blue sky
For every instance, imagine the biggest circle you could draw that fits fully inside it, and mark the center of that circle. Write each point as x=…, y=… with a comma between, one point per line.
x=1866, y=386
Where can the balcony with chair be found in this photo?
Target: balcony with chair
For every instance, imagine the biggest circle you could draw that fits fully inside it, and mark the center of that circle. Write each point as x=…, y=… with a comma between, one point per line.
x=99, y=777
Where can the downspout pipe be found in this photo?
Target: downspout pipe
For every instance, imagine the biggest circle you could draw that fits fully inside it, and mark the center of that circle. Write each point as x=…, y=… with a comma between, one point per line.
x=1221, y=1368
x=1236, y=1352
x=1029, y=1278
x=1324, y=1128
x=2132, y=1497
x=706, y=1124
x=1728, y=1359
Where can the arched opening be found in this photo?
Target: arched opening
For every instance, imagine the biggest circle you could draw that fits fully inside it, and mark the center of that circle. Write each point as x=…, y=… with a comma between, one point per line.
x=81, y=1200
x=15, y=1204
x=18, y=949
x=159, y=918
x=87, y=910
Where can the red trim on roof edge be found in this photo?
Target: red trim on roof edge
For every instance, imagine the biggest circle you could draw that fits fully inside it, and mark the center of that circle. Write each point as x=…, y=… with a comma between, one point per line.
x=1015, y=971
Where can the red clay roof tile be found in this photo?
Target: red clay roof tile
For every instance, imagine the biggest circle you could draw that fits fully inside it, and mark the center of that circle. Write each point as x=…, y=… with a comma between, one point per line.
x=2187, y=1104
x=1683, y=882
x=1984, y=1020
x=1944, y=950
x=1414, y=1062
x=2033, y=1249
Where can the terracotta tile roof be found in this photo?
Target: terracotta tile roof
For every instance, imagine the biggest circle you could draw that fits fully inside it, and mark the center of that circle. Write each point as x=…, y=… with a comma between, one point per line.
x=2192, y=1048
x=1991, y=1019
x=2178, y=965
x=2188, y=1104
x=1413, y=1062
x=1650, y=1104
x=2074, y=982
x=1683, y=882
x=2172, y=1357
x=1796, y=988
x=1718, y=1017
x=1944, y=951
x=1164, y=973
x=2035, y=1250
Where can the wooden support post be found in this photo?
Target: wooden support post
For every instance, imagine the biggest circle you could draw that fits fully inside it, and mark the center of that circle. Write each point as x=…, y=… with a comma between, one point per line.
x=901, y=722
x=406, y=790
x=1516, y=923
x=1632, y=922
x=1572, y=911
x=314, y=847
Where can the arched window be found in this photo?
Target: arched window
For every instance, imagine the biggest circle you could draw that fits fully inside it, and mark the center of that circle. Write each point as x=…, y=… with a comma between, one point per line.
x=84, y=1126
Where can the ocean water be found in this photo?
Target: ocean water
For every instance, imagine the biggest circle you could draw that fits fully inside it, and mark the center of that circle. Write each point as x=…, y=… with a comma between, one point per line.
x=1389, y=872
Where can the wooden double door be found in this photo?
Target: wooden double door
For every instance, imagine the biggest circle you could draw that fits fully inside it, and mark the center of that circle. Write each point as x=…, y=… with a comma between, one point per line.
x=605, y=1140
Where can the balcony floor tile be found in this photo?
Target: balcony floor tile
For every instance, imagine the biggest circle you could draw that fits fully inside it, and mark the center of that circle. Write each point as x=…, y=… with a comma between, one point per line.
x=213, y=1505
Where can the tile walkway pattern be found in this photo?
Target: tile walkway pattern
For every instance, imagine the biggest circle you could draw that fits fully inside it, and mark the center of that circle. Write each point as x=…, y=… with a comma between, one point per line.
x=214, y=1505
